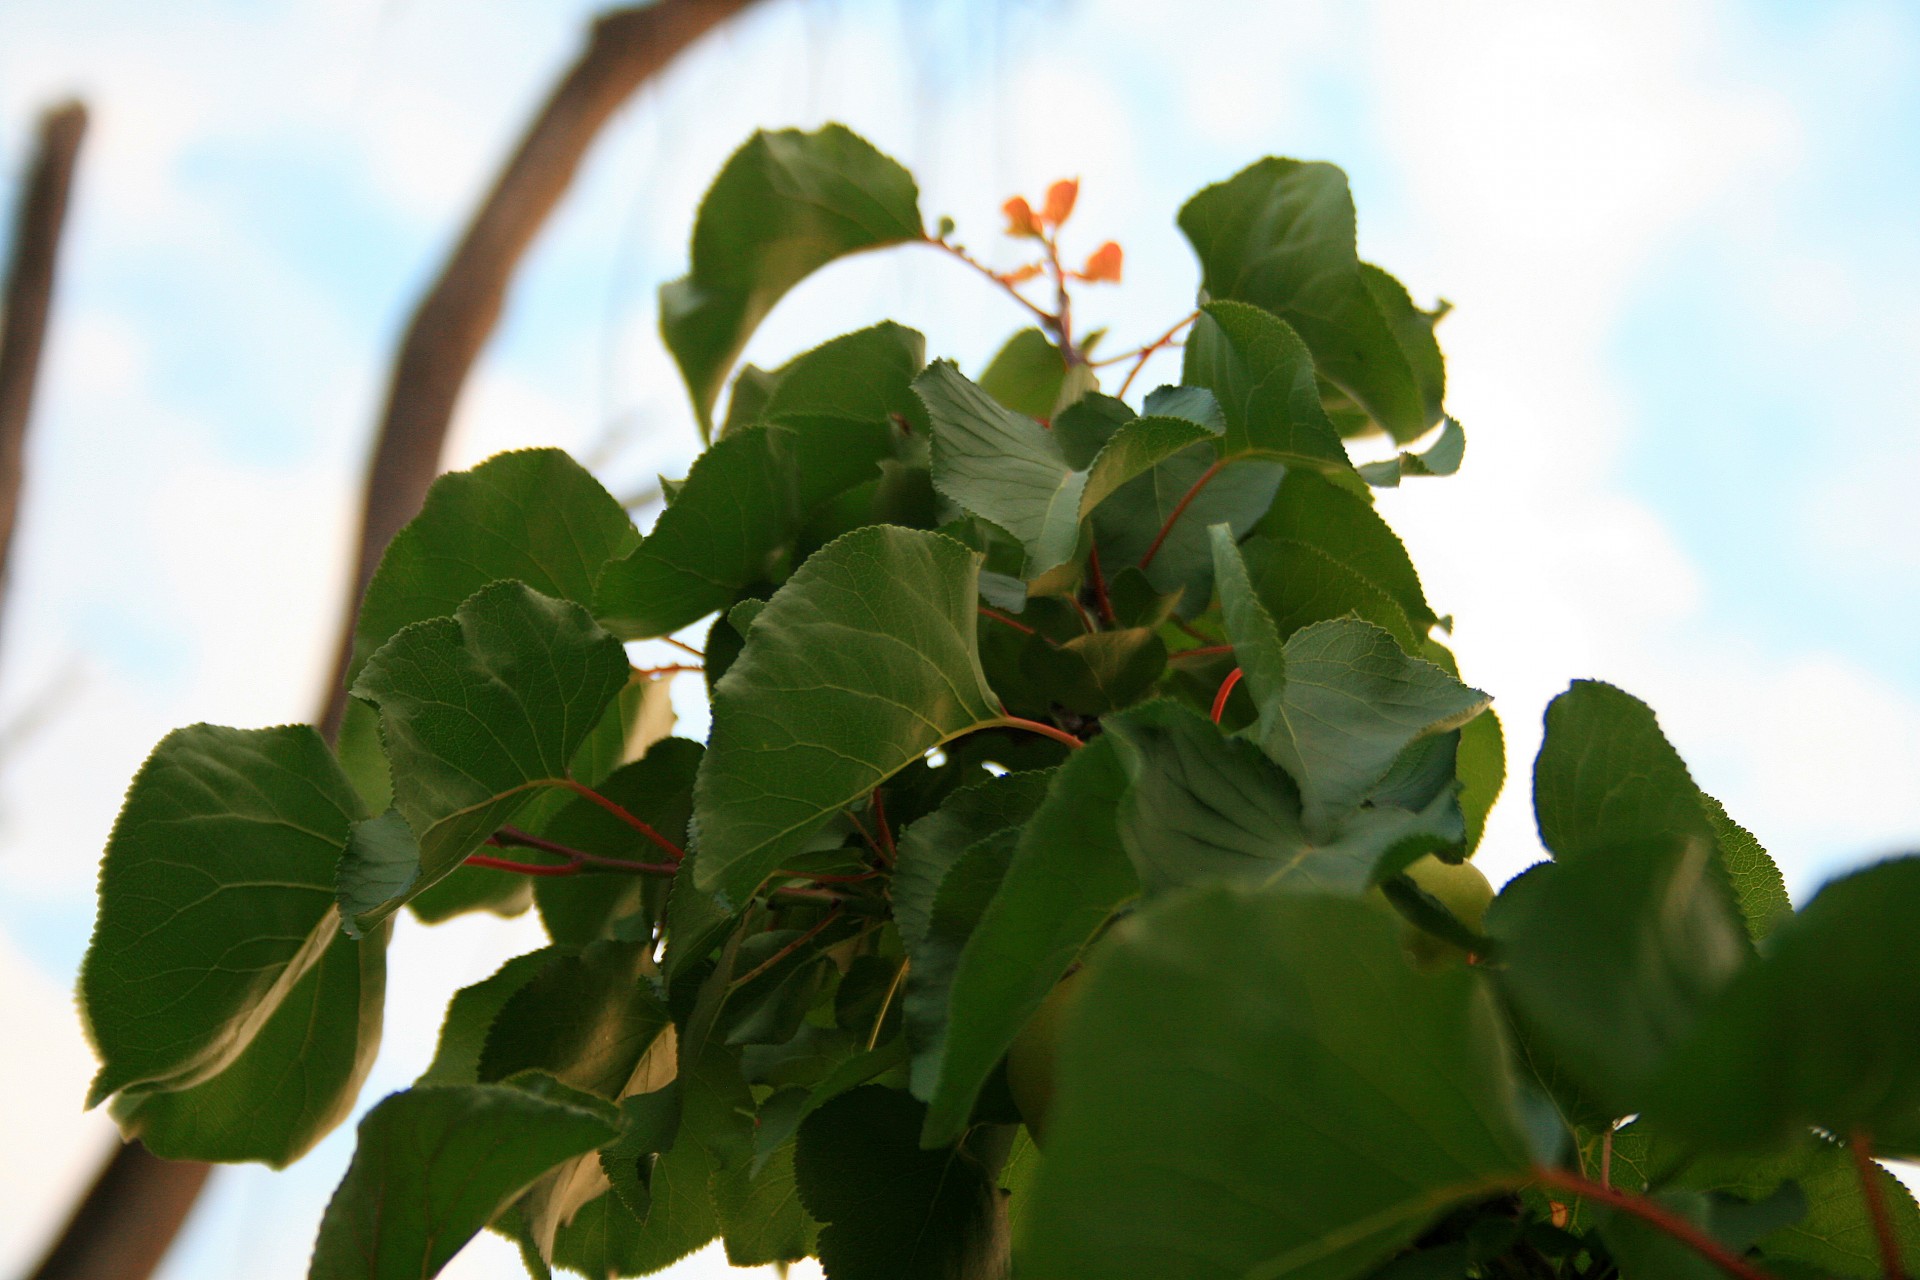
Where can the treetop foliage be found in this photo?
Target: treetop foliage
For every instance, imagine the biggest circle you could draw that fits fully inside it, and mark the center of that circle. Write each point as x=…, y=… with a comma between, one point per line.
x=1076, y=881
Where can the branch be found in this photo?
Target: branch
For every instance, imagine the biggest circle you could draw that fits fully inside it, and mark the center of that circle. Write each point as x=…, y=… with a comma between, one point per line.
x=138, y=1201
x=128, y=1218
x=628, y=47
x=29, y=297
x=136, y=1206
x=1658, y=1216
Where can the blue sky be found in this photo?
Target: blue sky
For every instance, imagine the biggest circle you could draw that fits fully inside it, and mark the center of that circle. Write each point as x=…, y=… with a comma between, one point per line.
x=1682, y=236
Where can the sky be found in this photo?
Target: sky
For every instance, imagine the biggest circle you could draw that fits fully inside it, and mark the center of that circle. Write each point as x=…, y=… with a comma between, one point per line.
x=1681, y=238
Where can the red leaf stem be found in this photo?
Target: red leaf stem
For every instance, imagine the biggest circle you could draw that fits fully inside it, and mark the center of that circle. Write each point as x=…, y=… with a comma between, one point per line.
x=1226, y=689
x=1656, y=1215
x=1179, y=510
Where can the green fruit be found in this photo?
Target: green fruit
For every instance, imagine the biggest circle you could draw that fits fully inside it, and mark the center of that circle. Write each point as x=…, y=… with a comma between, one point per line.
x=1031, y=1059
x=1461, y=889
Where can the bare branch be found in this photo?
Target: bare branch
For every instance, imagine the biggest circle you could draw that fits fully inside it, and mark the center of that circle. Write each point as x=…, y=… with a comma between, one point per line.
x=628, y=47
x=29, y=297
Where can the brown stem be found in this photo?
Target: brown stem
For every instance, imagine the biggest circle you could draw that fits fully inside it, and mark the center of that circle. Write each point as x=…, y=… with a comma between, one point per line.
x=1179, y=509
x=29, y=297
x=789, y=949
x=627, y=47
x=880, y=822
x=1034, y=726
x=1204, y=651
x=588, y=794
x=1146, y=353
x=1871, y=1191
x=1063, y=305
x=523, y=868
x=514, y=838
x=1100, y=586
x=1047, y=319
x=1656, y=1215
x=1003, y=619
x=684, y=647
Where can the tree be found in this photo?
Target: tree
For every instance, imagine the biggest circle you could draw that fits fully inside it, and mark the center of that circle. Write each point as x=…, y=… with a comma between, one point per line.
x=1012, y=683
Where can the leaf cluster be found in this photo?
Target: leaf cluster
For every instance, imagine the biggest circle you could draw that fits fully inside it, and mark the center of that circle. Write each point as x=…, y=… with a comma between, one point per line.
x=1078, y=776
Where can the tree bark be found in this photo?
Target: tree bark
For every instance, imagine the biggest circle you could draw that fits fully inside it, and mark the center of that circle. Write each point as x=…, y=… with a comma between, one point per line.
x=627, y=47
x=29, y=299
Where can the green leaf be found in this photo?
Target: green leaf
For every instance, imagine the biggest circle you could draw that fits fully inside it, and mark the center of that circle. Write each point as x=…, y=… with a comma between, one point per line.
x=1348, y=1099
x=1068, y=873
x=1351, y=703
x=1280, y=235
x=1441, y=458
x=1323, y=550
x=965, y=892
x=1095, y=673
x=1756, y=880
x=761, y=1212
x=785, y=205
x=1203, y=807
x=862, y=663
x=1339, y=701
x=1134, y=449
x=827, y=427
x=930, y=846
x=587, y=1020
x=477, y=711
x=1606, y=775
x=1201, y=491
x=1836, y=1234
x=1002, y=466
x=534, y=516
x=470, y=1015
x=1413, y=329
x=1026, y=374
x=892, y=1210
x=1822, y=1030
x=1614, y=957
x=433, y=1167
x=1481, y=764
x=1262, y=375
x=292, y=1084
x=216, y=898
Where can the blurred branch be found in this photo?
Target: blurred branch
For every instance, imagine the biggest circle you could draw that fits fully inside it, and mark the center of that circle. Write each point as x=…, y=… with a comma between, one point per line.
x=29, y=298
x=628, y=47
x=128, y=1218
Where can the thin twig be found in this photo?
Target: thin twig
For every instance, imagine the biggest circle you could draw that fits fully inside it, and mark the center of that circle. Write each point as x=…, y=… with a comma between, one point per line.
x=1047, y=319
x=1146, y=353
x=1204, y=651
x=789, y=949
x=627, y=47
